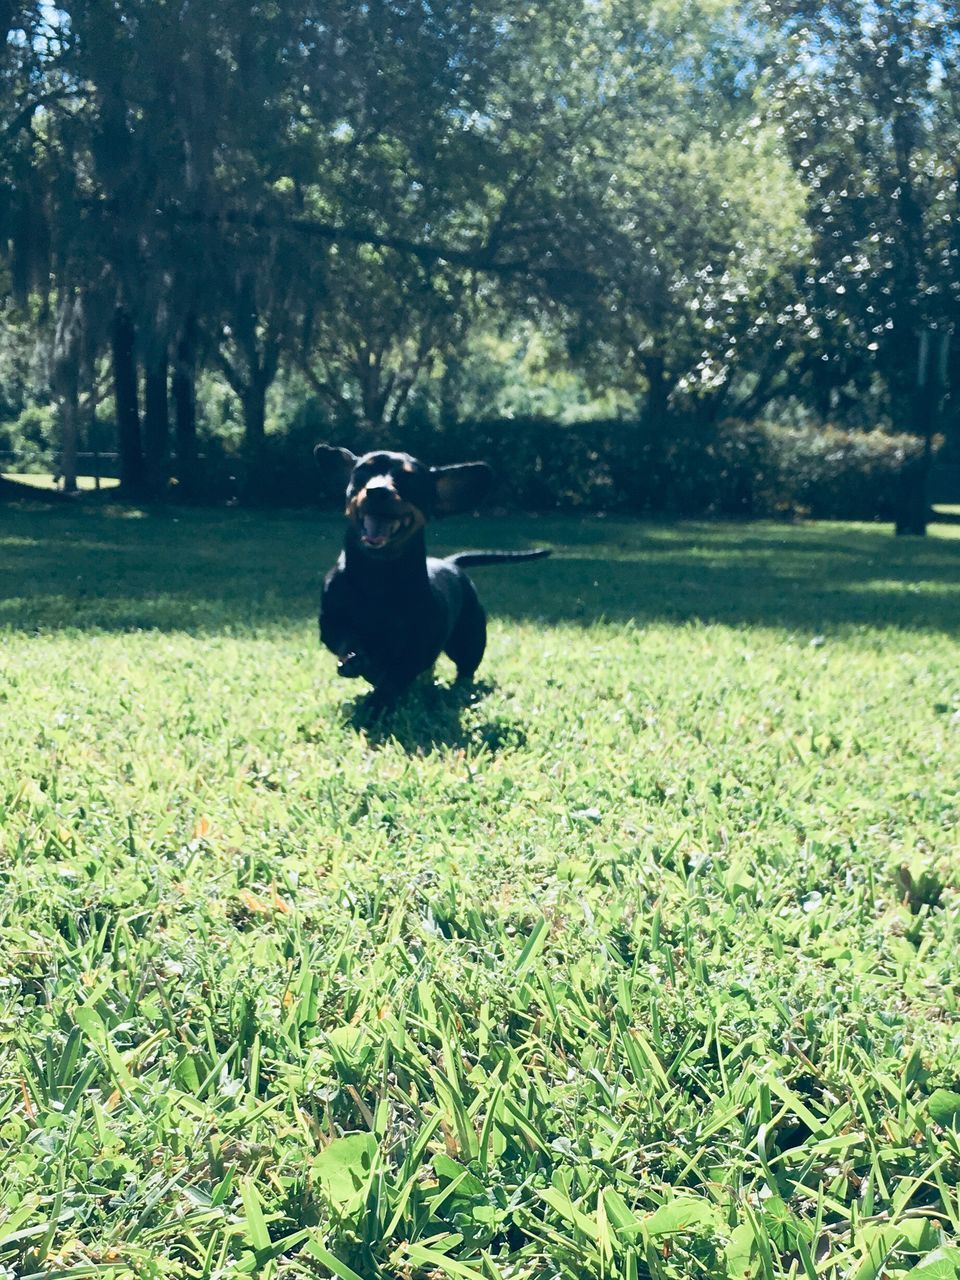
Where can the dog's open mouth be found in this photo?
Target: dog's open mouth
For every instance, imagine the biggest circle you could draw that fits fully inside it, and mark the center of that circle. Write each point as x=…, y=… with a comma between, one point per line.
x=377, y=530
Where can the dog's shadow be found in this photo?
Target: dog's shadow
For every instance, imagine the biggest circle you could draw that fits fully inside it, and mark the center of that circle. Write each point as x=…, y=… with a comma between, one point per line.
x=432, y=717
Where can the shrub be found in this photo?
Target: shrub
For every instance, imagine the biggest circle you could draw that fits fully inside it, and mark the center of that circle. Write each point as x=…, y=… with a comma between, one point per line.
x=733, y=468
x=32, y=439
x=833, y=474
x=618, y=465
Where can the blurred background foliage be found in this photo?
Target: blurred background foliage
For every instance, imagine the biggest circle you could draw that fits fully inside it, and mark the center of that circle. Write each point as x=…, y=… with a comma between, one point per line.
x=660, y=254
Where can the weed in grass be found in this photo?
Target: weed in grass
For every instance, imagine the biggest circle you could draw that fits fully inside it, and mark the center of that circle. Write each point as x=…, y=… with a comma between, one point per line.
x=638, y=963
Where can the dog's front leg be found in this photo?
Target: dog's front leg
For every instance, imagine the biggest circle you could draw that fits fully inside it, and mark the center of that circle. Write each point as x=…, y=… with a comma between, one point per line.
x=390, y=683
x=338, y=630
x=351, y=659
x=385, y=696
x=352, y=664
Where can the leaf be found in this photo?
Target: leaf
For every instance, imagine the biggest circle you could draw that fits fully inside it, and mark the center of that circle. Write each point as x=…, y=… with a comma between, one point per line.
x=333, y=1264
x=738, y=880
x=90, y=1023
x=257, y=1233
x=619, y=1212
x=782, y=1225
x=798, y=1106
x=919, y=1233
x=186, y=1075
x=944, y=1106
x=685, y=1213
x=942, y=1264
x=437, y=1261
x=10, y=1227
x=532, y=947
x=95, y=1029
x=468, y=1184
x=349, y=1039
x=342, y=1168
x=256, y=906
x=741, y=1252
x=568, y=1210
x=878, y=1242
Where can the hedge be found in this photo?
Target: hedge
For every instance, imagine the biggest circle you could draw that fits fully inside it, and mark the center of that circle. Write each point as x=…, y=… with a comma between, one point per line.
x=732, y=469
x=615, y=465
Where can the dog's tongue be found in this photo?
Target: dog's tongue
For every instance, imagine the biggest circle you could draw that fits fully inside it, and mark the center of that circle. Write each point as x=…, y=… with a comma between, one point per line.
x=377, y=529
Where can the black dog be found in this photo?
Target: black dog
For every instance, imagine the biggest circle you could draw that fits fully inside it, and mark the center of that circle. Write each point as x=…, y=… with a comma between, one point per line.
x=388, y=609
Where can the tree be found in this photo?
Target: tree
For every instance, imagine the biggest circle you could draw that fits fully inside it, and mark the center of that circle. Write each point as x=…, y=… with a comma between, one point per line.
x=384, y=321
x=873, y=130
x=700, y=231
x=872, y=123
x=339, y=188
x=711, y=232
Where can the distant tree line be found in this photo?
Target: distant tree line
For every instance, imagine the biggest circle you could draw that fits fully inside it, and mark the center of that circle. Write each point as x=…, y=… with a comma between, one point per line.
x=690, y=210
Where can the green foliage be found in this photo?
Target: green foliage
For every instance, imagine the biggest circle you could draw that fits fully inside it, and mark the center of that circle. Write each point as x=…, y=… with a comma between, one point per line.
x=827, y=474
x=660, y=208
x=23, y=379
x=32, y=438
x=873, y=125
x=619, y=464
x=606, y=970
x=729, y=469
x=710, y=228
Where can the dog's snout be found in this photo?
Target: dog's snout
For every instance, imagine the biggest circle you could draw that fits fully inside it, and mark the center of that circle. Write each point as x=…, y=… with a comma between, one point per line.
x=379, y=493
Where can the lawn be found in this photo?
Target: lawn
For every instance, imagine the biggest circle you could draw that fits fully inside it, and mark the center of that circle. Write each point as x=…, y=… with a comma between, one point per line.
x=640, y=961
x=46, y=480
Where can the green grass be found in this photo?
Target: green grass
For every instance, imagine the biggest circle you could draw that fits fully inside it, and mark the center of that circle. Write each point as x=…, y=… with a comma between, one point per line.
x=641, y=961
x=46, y=480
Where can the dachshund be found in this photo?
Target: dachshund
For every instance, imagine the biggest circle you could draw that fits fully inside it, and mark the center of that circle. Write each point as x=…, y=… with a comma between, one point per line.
x=388, y=609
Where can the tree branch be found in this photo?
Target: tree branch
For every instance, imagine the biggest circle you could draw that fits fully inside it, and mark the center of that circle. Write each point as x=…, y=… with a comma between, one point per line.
x=229, y=371
x=482, y=257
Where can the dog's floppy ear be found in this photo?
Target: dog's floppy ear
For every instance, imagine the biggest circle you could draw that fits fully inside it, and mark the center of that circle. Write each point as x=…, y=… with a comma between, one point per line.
x=335, y=463
x=458, y=488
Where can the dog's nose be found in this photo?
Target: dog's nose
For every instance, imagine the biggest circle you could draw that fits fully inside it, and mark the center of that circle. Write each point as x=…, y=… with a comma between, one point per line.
x=379, y=490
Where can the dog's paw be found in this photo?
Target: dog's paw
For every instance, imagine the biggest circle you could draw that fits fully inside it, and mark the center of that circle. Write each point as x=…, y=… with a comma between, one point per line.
x=351, y=666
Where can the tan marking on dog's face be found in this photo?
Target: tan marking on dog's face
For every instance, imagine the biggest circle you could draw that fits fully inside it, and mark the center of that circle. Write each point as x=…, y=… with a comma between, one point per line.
x=412, y=520
x=377, y=511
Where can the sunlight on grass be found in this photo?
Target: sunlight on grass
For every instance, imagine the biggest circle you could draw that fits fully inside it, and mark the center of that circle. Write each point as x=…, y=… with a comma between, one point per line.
x=894, y=585
x=639, y=959
x=44, y=480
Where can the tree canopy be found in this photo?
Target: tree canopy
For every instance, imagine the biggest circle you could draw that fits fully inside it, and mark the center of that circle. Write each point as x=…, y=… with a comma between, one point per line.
x=704, y=207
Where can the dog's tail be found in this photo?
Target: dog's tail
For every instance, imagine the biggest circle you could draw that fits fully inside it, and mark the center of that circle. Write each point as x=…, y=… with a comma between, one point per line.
x=472, y=559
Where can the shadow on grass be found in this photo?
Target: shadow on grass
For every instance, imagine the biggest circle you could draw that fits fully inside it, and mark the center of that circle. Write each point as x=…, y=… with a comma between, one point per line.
x=431, y=717
x=109, y=568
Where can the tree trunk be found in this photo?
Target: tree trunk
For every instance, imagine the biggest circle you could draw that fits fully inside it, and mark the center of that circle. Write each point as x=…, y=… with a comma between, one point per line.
x=185, y=405
x=254, y=402
x=658, y=391
x=450, y=393
x=250, y=379
x=65, y=381
x=156, y=424
x=69, y=426
x=644, y=476
x=912, y=506
x=128, y=411
x=373, y=394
